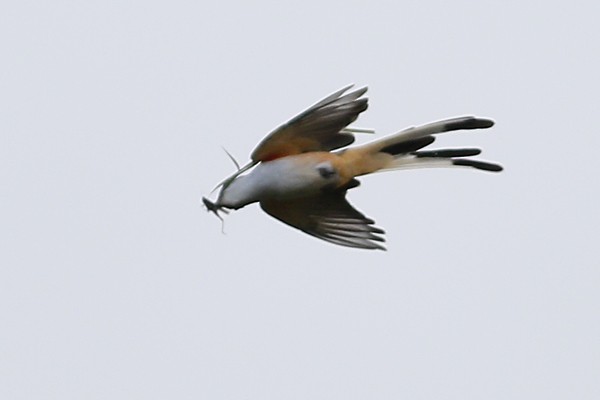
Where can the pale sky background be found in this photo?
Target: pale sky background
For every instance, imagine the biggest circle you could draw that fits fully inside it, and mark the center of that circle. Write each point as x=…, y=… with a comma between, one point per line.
x=116, y=284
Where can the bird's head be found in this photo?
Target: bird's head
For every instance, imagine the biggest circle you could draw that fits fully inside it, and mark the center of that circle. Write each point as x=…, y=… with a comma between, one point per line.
x=230, y=193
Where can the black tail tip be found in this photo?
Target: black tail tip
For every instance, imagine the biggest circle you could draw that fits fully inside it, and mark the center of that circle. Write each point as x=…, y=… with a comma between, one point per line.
x=482, y=165
x=447, y=153
x=469, y=123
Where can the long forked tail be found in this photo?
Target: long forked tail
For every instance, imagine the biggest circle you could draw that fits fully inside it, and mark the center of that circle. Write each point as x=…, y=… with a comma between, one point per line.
x=405, y=149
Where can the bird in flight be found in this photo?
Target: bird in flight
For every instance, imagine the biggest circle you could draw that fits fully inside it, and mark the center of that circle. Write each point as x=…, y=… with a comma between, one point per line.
x=300, y=173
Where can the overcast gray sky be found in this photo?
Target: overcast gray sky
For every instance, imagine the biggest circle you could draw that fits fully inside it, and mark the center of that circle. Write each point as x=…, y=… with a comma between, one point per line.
x=116, y=284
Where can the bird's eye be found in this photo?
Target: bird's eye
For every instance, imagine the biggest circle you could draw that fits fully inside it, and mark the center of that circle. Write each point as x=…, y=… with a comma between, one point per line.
x=326, y=171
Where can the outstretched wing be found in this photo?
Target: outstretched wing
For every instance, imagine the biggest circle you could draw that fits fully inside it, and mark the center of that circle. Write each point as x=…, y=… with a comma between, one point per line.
x=328, y=216
x=319, y=128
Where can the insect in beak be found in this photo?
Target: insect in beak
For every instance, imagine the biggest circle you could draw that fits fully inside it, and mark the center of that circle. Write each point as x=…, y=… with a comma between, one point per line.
x=214, y=208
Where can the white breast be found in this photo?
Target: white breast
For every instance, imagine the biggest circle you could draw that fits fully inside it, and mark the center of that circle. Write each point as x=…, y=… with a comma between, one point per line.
x=287, y=177
x=283, y=178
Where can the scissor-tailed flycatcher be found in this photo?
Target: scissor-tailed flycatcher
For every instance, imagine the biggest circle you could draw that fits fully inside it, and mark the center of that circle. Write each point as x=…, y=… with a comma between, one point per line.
x=299, y=180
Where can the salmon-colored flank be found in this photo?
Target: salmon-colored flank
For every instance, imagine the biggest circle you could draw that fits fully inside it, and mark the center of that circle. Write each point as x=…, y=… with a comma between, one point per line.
x=349, y=164
x=363, y=160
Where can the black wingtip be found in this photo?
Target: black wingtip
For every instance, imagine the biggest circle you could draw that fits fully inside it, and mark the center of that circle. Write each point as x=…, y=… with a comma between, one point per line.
x=482, y=165
x=469, y=123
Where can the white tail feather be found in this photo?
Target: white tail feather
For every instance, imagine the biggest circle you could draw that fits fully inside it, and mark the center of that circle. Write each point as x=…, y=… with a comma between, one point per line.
x=412, y=162
x=414, y=133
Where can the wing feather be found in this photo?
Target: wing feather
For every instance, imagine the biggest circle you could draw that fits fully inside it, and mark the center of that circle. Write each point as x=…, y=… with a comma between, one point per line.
x=328, y=216
x=319, y=128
